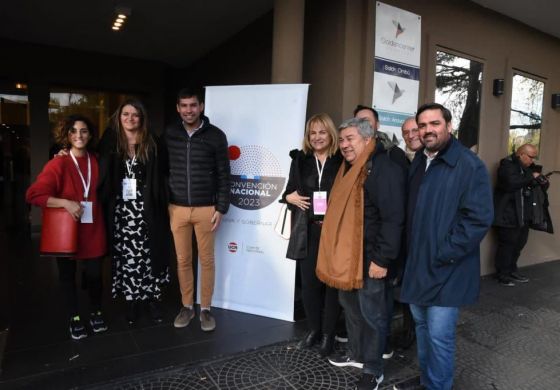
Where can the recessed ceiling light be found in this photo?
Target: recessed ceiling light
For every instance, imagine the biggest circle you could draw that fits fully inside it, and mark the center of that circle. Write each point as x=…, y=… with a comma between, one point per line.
x=121, y=15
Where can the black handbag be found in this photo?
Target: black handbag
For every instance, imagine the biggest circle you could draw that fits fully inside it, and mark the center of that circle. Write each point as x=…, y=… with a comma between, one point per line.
x=297, y=246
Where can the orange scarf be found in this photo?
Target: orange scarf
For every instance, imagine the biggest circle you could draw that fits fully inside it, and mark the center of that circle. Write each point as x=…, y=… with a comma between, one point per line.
x=340, y=259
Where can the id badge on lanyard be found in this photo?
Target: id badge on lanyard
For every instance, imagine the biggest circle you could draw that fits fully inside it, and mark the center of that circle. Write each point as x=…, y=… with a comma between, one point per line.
x=128, y=189
x=87, y=215
x=129, y=183
x=319, y=197
x=319, y=202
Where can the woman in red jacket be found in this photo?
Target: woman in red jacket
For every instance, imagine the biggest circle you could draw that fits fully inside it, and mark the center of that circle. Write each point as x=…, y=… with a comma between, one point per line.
x=70, y=182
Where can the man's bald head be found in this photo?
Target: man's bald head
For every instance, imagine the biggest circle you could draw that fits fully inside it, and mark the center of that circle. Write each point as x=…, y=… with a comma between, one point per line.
x=527, y=154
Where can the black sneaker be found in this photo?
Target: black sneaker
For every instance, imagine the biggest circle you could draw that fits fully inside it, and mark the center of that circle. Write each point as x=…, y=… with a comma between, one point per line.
x=505, y=280
x=77, y=328
x=343, y=360
x=97, y=322
x=517, y=277
x=369, y=382
x=409, y=384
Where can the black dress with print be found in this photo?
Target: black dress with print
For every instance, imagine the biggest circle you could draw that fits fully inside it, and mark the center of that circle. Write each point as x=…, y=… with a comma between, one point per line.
x=132, y=268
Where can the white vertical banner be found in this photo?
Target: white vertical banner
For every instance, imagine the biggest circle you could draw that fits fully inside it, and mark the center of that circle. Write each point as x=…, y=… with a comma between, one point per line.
x=396, y=76
x=262, y=123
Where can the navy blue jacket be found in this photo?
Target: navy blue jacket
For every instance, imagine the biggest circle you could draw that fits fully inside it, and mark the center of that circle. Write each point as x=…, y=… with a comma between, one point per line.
x=453, y=212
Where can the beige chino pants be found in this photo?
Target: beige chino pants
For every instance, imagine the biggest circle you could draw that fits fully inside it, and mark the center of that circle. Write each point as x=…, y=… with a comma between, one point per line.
x=183, y=220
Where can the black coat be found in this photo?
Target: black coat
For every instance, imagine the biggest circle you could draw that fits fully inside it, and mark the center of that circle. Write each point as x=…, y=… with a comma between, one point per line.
x=515, y=203
x=111, y=173
x=198, y=166
x=305, y=179
x=385, y=209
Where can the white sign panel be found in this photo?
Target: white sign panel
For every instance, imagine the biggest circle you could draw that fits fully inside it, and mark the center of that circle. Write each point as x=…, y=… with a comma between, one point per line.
x=397, y=67
x=262, y=123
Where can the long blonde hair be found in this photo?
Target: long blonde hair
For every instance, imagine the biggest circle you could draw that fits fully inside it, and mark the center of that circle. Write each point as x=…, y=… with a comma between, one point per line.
x=325, y=120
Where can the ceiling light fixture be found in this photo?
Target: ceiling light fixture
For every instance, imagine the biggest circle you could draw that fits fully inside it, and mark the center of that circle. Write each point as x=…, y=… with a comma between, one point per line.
x=120, y=17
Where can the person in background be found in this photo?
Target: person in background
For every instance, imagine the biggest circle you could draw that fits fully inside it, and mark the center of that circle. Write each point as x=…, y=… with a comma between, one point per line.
x=134, y=195
x=396, y=154
x=519, y=199
x=409, y=131
x=312, y=173
x=70, y=182
x=372, y=116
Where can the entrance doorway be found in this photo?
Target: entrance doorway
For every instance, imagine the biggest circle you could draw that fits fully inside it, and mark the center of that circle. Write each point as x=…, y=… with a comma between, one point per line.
x=14, y=160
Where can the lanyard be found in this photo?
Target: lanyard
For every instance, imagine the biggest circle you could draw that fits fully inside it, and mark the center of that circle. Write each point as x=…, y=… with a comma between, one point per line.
x=320, y=170
x=88, y=183
x=129, y=167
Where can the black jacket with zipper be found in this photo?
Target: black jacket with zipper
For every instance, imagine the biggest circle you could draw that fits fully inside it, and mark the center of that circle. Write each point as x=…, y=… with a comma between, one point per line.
x=198, y=166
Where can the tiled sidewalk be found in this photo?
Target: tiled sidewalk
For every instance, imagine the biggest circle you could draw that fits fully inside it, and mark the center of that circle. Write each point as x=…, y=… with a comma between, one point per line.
x=509, y=340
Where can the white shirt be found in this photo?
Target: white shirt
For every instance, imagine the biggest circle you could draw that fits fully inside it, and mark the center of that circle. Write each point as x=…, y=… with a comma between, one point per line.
x=191, y=132
x=429, y=159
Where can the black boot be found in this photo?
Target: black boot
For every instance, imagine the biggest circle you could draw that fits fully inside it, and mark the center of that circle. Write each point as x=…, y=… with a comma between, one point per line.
x=326, y=345
x=154, y=308
x=309, y=340
x=131, y=312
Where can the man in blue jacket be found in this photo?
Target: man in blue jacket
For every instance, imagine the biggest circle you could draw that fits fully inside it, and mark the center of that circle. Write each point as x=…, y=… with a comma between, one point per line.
x=449, y=212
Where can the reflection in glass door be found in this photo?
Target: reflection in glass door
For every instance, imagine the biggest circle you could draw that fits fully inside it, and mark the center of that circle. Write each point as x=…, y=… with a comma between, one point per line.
x=14, y=159
x=458, y=87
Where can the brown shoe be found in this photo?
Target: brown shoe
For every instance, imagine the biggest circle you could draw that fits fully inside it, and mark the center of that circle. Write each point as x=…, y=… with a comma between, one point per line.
x=207, y=321
x=184, y=317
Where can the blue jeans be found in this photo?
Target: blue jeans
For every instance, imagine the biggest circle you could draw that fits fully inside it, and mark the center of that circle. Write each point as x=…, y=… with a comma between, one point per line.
x=366, y=312
x=435, y=335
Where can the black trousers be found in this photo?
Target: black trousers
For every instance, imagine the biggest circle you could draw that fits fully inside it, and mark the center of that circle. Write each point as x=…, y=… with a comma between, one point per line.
x=91, y=277
x=510, y=243
x=319, y=300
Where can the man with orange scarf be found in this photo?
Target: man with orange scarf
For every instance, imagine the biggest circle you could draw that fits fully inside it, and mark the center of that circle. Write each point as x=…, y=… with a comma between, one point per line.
x=360, y=239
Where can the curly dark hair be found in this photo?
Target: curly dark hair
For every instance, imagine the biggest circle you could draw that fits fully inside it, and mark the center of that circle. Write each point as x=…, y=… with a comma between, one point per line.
x=63, y=129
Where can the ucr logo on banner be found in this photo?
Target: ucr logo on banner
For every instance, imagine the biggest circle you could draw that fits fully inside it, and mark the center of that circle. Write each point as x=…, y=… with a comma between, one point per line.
x=256, y=177
x=232, y=247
